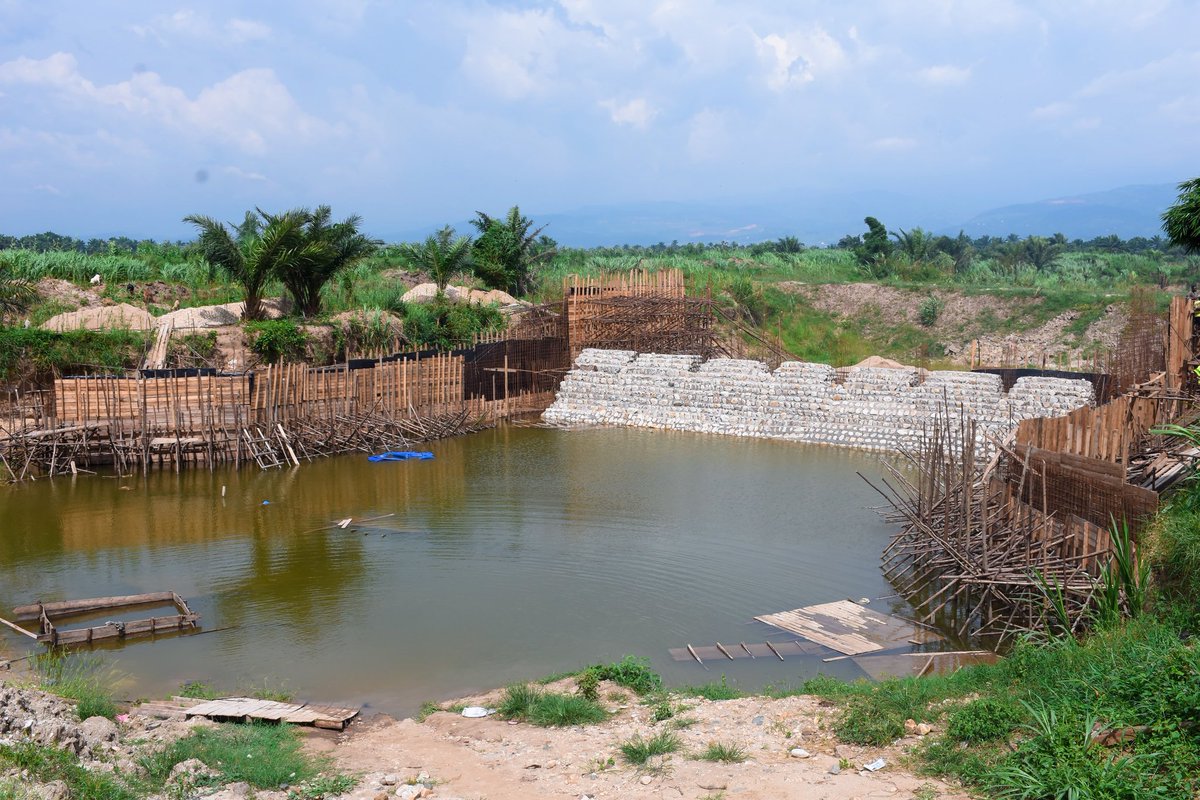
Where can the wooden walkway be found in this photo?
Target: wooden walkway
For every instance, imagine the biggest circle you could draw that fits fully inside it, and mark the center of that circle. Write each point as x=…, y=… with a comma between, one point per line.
x=249, y=709
x=849, y=628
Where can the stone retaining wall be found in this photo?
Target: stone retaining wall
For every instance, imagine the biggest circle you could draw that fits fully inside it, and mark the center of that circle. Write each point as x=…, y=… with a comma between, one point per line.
x=870, y=408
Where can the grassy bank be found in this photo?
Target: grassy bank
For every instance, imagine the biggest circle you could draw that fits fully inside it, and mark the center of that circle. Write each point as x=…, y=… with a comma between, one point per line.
x=1114, y=715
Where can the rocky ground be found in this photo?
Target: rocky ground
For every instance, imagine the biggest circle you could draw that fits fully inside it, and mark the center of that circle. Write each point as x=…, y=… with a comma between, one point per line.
x=789, y=751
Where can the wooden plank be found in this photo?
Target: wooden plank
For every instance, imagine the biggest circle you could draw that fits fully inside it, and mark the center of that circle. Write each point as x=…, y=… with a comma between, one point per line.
x=843, y=625
x=64, y=607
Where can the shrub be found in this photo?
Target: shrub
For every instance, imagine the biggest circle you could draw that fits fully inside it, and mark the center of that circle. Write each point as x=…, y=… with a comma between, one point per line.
x=982, y=720
x=929, y=310
x=631, y=672
x=589, y=684
x=277, y=340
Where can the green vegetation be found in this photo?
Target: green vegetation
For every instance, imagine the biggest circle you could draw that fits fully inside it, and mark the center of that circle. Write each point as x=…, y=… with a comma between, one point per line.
x=29, y=352
x=263, y=756
x=548, y=709
x=1114, y=715
x=276, y=340
x=631, y=672
x=442, y=255
x=46, y=763
x=508, y=251
x=76, y=677
x=717, y=690
x=725, y=753
x=639, y=750
x=1182, y=220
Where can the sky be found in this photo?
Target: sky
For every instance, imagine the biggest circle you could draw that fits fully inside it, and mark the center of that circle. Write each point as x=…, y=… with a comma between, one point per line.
x=122, y=117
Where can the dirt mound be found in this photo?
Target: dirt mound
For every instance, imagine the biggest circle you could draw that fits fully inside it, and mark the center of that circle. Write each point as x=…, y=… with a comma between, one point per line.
x=368, y=318
x=880, y=362
x=202, y=317
x=94, y=318
x=426, y=292
x=64, y=292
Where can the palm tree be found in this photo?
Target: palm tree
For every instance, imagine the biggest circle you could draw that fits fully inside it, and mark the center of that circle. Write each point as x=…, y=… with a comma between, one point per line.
x=262, y=246
x=441, y=255
x=1041, y=252
x=918, y=244
x=16, y=294
x=1181, y=221
x=328, y=249
x=507, y=250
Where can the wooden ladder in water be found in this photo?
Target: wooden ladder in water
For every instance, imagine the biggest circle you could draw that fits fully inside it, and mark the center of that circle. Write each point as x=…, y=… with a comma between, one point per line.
x=262, y=450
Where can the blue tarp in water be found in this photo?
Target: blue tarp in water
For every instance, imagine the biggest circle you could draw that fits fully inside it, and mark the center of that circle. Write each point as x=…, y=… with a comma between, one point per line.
x=402, y=455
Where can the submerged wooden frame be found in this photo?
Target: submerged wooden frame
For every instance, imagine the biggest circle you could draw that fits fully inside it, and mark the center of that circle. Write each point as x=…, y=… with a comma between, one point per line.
x=48, y=613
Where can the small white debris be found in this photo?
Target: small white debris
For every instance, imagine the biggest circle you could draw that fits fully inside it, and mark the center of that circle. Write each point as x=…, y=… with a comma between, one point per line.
x=875, y=765
x=475, y=712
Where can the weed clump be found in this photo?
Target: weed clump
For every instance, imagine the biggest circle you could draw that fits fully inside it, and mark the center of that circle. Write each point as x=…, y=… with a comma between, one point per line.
x=639, y=750
x=548, y=709
x=725, y=753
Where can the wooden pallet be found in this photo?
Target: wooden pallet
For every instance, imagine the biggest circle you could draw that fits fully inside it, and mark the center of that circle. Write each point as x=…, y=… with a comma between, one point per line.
x=249, y=709
x=848, y=627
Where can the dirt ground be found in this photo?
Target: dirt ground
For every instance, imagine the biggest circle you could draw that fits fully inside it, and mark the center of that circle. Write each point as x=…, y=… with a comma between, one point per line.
x=498, y=760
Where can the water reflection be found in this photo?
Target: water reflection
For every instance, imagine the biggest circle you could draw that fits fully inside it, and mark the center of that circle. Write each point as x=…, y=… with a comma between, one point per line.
x=514, y=553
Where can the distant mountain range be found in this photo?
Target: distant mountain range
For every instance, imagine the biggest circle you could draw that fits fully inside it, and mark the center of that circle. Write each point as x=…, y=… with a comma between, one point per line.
x=1128, y=211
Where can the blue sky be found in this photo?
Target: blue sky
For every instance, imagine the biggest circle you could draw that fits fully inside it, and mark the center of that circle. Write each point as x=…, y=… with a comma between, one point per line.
x=121, y=117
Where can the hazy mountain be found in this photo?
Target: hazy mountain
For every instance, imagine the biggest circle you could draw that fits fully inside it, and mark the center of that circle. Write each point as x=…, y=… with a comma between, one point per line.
x=1127, y=212
x=823, y=218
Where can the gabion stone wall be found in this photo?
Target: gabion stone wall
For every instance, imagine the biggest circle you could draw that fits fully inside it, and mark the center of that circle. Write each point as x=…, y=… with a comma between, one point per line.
x=873, y=408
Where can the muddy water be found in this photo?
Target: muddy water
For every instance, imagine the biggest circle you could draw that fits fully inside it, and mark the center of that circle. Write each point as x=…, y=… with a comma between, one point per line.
x=515, y=553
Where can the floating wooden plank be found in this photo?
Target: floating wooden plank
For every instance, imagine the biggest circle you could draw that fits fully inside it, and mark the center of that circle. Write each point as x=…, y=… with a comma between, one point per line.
x=247, y=709
x=66, y=607
x=845, y=626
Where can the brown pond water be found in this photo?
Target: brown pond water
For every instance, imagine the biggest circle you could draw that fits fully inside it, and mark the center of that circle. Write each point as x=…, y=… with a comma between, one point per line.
x=515, y=553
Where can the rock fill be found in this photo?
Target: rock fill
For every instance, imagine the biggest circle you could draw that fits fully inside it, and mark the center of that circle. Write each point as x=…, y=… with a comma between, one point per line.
x=869, y=408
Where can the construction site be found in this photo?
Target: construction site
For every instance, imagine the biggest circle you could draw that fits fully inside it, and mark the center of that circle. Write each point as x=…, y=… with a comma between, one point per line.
x=1007, y=483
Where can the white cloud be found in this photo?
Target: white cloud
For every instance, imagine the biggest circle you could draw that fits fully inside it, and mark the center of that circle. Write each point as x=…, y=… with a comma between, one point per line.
x=247, y=109
x=636, y=113
x=799, y=57
x=48, y=188
x=515, y=53
x=945, y=75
